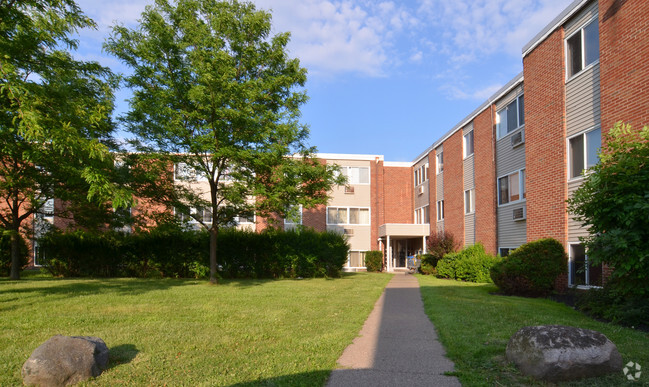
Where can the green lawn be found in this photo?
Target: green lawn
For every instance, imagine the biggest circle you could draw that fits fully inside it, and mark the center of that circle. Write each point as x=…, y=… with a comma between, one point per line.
x=475, y=326
x=185, y=332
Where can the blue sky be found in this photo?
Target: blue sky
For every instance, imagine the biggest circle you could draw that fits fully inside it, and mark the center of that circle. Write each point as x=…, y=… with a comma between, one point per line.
x=385, y=77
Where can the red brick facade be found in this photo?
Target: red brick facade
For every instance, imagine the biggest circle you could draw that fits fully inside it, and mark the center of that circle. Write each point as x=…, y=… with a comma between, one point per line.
x=624, y=62
x=398, y=195
x=545, y=140
x=454, y=187
x=485, y=180
x=377, y=199
x=315, y=218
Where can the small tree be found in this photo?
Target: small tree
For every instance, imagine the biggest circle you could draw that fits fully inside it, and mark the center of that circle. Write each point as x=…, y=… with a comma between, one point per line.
x=613, y=202
x=439, y=244
x=215, y=94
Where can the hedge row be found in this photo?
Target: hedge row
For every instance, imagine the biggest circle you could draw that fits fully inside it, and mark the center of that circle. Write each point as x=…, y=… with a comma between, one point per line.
x=471, y=264
x=170, y=251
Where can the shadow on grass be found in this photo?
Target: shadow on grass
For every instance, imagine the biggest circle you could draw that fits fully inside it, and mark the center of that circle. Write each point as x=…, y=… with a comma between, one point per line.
x=314, y=378
x=121, y=354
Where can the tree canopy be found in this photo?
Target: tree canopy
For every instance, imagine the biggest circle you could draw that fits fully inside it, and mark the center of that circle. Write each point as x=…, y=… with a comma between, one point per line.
x=55, y=122
x=216, y=94
x=613, y=202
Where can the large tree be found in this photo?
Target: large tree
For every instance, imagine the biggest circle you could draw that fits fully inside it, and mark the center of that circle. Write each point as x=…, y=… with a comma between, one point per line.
x=54, y=120
x=613, y=202
x=216, y=93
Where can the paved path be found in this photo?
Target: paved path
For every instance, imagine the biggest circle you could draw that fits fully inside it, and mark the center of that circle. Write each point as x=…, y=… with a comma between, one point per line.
x=397, y=346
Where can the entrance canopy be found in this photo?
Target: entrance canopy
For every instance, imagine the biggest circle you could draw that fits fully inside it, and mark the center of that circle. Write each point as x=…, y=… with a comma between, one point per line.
x=398, y=240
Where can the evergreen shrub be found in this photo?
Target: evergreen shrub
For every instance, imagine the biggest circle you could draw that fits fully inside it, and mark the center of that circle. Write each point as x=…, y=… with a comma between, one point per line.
x=374, y=260
x=472, y=264
x=169, y=250
x=532, y=269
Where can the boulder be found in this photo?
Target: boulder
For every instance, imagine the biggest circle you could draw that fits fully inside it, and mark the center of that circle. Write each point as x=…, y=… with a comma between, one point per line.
x=65, y=360
x=556, y=353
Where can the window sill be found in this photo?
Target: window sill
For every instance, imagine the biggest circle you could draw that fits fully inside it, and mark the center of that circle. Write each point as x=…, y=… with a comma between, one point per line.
x=510, y=133
x=469, y=156
x=584, y=287
x=581, y=72
x=512, y=203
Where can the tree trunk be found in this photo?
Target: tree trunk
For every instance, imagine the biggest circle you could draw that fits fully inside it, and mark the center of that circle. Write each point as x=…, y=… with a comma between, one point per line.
x=15, y=256
x=214, y=233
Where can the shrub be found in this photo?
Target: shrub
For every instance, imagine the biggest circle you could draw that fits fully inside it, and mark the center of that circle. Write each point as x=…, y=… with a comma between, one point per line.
x=374, y=260
x=5, y=252
x=439, y=244
x=612, y=303
x=471, y=264
x=427, y=266
x=171, y=251
x=531, y=269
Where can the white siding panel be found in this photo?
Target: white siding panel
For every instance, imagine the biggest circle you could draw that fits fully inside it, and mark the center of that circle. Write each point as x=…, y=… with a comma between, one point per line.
x=511, y=232
x=583, y=101
x=582, y=17
x=509, y=159
x=440, y=186
x=469, y=229
x=575, y=230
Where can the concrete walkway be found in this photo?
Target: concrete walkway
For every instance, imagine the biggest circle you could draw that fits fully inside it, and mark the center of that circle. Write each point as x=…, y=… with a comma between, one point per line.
x=397, y=346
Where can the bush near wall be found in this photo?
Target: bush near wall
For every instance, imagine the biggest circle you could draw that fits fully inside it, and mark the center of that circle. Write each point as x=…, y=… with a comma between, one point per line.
x=171, y=251
x=531, y=269
x=438, y=245
x=471, y=264
x=374, y=260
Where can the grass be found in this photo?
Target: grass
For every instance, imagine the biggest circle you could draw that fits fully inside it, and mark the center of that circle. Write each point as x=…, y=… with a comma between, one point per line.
x=475, y=326
x=186, y=332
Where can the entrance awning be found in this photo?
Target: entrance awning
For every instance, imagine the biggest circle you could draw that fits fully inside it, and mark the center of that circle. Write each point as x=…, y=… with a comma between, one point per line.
x=390, y=232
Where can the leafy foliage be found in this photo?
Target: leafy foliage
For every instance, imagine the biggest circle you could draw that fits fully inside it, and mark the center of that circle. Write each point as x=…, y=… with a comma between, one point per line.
x=614, y=305
x=54, y=123
x=439, y=244
x=374, y=260
x=169, y=250
x=613, y=202
x=532, y=269
x=214, y=91
x=470, y=264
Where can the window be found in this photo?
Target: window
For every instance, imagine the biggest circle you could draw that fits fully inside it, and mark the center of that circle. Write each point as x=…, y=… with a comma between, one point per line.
x=511, y=188
x=294, y=215
x=421, y=174
x=244, y=219
x=583, y=150
x=440, y=210
x=469, y=201
x=440, y=162
x=504, y=251
x=356, y=259
x=582, y=48
x=195, y=213
x=581, y=271
x=422, y=215
x=511, y=117
x=348, y=215
x=468, y=144
x=356, y=175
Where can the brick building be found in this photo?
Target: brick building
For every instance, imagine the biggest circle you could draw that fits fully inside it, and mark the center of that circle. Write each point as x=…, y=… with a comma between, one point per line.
x=502, y=175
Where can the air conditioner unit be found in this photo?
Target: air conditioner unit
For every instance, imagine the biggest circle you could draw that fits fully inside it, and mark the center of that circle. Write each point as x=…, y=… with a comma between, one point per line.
x=518, y=139
x=518, y=214
x=349, y=231
x=420, y=190
x=349, y=189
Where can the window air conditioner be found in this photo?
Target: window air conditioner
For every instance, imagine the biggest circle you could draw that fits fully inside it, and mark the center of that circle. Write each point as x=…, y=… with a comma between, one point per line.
x=349, y=189
x=420, y=190
x=518, y=214
x=518, y=139
x=349, y=231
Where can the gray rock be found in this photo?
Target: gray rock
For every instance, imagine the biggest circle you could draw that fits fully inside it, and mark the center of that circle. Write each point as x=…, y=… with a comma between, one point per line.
x=65, y=360
x=556, y=352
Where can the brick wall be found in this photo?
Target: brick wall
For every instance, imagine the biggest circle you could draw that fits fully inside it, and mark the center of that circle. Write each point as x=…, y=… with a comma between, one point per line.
x=545, y=140
x=398, y=195
x=485, y=180
x=377, y=199
x=454, y=187
x=315, y=217
x=624, y=62
x=432, y=191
